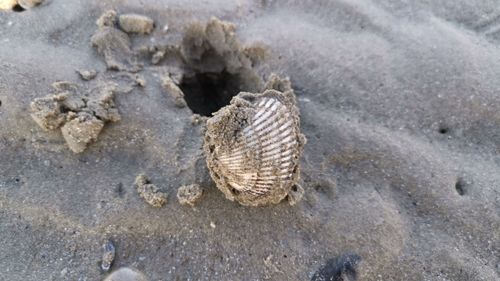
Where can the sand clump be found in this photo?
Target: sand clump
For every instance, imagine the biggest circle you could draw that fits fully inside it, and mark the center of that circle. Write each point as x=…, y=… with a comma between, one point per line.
x=80, y=116
x=107, y=19
x=134, y=23
x=189, y=194
x=173, y=90
x=81, y=129
x=150, y=192
x=113, y=44
x=47, y=112
x=87, y=75
x=213, y=47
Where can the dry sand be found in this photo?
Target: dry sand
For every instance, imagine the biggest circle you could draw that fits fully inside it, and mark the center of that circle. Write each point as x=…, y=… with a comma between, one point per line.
x=399, y=102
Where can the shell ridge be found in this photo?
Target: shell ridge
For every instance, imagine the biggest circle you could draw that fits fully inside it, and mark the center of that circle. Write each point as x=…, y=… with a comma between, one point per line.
x=259, y=144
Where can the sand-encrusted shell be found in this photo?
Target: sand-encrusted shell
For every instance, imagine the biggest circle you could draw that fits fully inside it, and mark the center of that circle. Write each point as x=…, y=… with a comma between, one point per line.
x=253, y=147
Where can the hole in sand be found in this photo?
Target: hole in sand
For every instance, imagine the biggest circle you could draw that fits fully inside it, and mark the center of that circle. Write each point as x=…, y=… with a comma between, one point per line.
x=460, y=187
x=17, y=8
x=206, y=93
x=443, y=130
x=64, y=109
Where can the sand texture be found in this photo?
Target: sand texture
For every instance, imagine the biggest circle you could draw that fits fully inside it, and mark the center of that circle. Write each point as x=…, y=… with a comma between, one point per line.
x=399, y=102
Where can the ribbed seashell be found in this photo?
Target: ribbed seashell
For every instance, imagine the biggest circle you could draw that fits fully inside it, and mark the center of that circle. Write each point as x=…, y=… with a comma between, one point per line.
x=253, y=147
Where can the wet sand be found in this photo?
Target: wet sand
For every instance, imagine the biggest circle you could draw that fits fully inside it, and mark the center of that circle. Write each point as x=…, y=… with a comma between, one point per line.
x=399, y=103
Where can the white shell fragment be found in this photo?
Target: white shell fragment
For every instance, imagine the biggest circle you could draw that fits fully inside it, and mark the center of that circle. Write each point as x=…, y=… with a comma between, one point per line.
x=253, y=147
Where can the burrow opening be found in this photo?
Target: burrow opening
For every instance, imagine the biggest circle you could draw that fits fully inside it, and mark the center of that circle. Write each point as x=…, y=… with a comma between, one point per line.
x=207, y=92
x=443, y=130
x=460, y=187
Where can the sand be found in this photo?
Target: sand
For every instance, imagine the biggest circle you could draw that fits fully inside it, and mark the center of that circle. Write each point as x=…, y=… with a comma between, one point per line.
x=398, y=100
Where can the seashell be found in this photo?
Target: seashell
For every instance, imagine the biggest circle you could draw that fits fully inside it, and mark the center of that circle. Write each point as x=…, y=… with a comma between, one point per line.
x=253, y=147
x=108, y=255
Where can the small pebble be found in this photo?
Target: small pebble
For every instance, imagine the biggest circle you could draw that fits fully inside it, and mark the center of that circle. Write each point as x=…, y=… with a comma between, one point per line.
x=108, y=255
x=212, y=224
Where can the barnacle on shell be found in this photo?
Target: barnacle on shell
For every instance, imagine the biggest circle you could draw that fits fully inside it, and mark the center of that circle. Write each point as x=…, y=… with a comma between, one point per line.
x=253, y=147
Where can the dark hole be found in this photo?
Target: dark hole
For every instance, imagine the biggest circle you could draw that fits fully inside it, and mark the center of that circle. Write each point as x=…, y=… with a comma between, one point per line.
x=0, y=103
x=64, y=109
x=460, y=187
x=119, y=189
x=235, y=191
x=294, y=188
x=17, y=180
x=206, y=93
x=443, y=130
x=18, y=8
